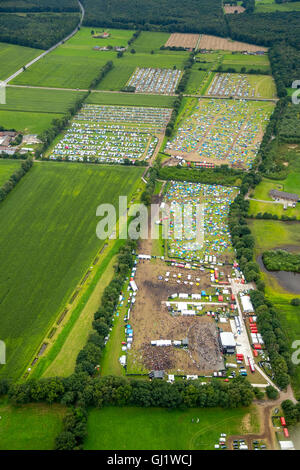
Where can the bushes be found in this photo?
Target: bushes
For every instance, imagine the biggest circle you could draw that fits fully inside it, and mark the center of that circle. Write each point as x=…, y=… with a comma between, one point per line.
x=280, y=260
x=272, y=393
x=15, y=178
x=291, y=412
x=75, y=430
x=171, y=123
x=219, y=175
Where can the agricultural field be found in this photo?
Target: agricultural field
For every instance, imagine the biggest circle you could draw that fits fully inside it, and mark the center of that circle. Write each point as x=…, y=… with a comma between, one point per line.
x=48, y=249
x=218, y=43
x=7, y=168
x=155, y=428
x=13, y=57
x=183, y=242
x=240, y=62
x=39, y=100
x=84, y=63
x=27, y=122
x=130, y=99
x=112, y=134
x=30, y=427
x=188, y=41
x=161, y=81
x=196, y=81
x=231, y=132
x=262, y=6
x=241, y=86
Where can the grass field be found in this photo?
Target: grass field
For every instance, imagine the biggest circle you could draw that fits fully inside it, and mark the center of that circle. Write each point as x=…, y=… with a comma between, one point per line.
x=132, y=428
x=27, y=122
x=30, y=427
x=39, y=100
x=130, y=99
x=196, y=81
x=235, y=60
x=7, y=167
x=48, y=231
x=270, y=7
x=84, y=63
x=13, y=57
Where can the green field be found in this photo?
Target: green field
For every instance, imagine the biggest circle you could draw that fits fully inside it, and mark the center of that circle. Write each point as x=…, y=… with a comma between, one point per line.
x=13, y=57
x=132, y=428
x=39, y=100
x=48, y=231
x=234, y=60
x=150, y=41
x=28, y=123
x=7, y=167
x=30, y=427
x=269, y=7
x=83, y=63
x=196, y=81
x=130, y=99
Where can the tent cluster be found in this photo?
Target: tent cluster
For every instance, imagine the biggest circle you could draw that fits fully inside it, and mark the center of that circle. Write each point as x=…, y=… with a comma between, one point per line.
x=151, y=80
x=231, y=84
x=111, y=134
x=216, y=200
x=230, y=132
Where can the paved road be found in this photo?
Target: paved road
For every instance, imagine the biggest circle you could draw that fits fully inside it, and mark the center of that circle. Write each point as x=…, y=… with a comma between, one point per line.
x=18, y=72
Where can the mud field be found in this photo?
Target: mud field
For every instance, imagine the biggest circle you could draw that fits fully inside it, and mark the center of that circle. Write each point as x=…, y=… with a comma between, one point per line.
x=151, y=320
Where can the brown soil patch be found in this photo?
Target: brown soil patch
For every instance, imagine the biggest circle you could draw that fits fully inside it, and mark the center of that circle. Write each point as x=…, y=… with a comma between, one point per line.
x=233, y=9
x=188, y=41
x=216, y=43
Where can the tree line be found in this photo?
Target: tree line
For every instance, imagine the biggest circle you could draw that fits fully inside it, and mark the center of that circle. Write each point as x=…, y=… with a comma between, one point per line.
x=39, y=6
x=17, y=175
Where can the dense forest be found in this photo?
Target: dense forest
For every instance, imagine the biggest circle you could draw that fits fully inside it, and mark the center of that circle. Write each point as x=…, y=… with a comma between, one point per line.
x=266, y=28
x=12, y=6
x=40, y=30
x=191, y=16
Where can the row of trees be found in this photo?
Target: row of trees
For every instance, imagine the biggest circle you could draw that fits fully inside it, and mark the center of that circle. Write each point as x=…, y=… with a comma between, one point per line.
x=104, y=71
x=281, y=260
x=176, y=108
x=186, y=74
x=9, y=185
x=219, y=175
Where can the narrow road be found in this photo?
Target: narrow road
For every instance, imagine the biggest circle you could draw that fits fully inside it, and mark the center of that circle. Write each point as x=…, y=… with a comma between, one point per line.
x=18, y=72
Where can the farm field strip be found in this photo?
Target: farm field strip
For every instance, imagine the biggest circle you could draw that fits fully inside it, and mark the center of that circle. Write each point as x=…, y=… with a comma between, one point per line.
x=49, y=242
x=7, y=168
x=231, y=132
x=112, y=133
x=218, y=43
x=188, y=41
x=150, y=80
x=13, y=57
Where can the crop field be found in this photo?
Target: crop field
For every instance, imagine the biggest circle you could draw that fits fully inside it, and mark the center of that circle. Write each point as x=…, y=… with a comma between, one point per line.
x=48, y=248
x=39, y=100
x=160, y=429
x=217, y=43
x=13, y=57
x=266, y=7
x=130, y=99
x=196, y=81
x=183, y=243
x=161, y=81
x=112, y=133
x=188, y=41
x=149, y=41
x=231, y=132
x=242, y=86
x=7, y=167
x=27, y=122
x=30, y=427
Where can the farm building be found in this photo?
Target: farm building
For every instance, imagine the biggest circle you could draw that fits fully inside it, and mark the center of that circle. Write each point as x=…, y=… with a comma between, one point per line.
x=247, y=304
x=288, y=199
x=227, y=342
